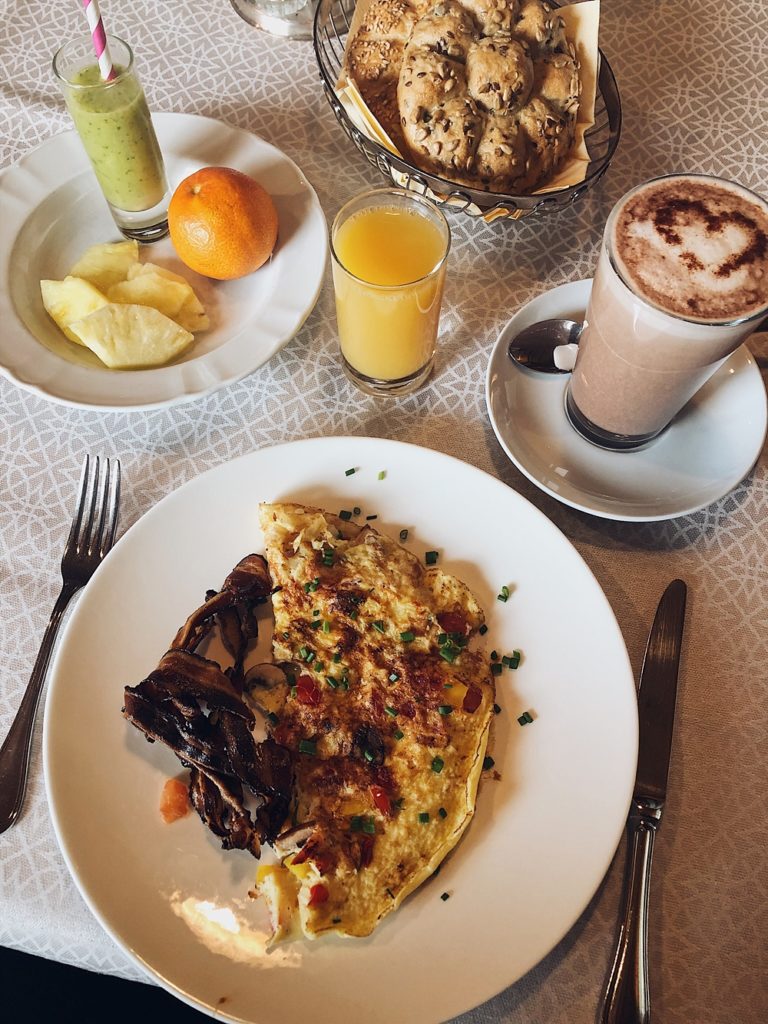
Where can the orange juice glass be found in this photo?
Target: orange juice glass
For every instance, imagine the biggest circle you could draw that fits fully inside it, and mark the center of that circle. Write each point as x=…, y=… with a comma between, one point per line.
x=389, y=250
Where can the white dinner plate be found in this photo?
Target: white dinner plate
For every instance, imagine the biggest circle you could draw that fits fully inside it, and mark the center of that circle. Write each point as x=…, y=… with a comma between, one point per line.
x=53, y=210
x=705, y=452
x=544, y=832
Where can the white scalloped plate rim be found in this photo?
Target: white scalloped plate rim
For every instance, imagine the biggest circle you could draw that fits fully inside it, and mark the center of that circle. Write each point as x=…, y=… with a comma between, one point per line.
x=289, y=285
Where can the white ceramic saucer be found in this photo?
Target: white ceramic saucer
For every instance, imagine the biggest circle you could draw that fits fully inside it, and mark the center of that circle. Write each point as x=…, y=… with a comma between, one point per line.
x=707, y=450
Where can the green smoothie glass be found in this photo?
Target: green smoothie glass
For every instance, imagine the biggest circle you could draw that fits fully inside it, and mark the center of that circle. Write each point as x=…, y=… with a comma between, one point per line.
x=115, y=127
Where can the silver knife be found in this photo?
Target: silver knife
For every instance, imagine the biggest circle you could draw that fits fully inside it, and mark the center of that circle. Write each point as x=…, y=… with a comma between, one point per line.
x=627, y=999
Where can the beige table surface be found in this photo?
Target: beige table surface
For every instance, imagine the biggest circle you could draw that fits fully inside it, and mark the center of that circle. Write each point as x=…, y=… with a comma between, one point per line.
x=693, y=83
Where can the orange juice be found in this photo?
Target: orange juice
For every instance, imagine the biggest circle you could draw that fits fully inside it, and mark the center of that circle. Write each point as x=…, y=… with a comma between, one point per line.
x=388, y=275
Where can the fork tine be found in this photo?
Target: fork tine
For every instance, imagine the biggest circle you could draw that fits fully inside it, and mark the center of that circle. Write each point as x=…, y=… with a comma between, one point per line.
x=94, y=540
x=77, y=519
x=112, y=510
x=86, y=538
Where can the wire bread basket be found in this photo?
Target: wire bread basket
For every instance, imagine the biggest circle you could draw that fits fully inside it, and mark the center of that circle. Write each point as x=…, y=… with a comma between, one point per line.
x=331, y=27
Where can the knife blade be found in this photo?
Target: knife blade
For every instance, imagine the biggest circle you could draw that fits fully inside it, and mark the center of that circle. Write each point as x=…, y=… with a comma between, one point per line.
x=658, y=695
x=627, y=996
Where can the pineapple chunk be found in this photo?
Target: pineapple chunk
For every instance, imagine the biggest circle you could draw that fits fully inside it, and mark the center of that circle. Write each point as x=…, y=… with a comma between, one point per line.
x=152, y=268
x=70, y=300
x=162, y=294
x=105, y=265
x=191, y=315
x=130, y=337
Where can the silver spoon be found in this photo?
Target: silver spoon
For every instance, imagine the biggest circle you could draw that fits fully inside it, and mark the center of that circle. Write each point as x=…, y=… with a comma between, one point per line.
x=549, y=346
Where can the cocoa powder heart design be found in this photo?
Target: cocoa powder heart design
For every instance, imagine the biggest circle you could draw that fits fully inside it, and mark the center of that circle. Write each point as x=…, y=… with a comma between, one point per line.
x=673, y=213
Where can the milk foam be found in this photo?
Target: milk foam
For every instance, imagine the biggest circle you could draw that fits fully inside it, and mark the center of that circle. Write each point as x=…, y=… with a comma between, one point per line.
x=694, y=246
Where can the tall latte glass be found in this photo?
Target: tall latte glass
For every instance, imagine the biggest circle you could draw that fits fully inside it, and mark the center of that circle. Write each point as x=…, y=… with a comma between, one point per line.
x=681, y=280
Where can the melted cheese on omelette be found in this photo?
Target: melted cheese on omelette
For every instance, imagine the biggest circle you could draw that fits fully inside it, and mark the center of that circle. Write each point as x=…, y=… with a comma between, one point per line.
x=387, y=713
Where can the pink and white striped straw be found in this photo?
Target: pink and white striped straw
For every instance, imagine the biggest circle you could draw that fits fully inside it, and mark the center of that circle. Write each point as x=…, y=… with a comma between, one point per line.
x=96, y=25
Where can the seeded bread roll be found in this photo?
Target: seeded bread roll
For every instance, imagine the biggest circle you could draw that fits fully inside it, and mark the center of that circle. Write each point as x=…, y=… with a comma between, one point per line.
x=499, y=73
x=540, y=27
x=480, y=92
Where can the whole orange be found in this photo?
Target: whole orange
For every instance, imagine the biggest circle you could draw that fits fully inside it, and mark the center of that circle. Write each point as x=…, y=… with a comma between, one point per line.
x=223, y=223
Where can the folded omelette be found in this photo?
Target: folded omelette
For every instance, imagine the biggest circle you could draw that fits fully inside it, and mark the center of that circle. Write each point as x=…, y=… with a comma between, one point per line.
x=386, y=713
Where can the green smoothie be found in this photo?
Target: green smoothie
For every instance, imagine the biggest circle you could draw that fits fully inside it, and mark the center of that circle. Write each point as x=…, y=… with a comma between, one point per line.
x=115, y=126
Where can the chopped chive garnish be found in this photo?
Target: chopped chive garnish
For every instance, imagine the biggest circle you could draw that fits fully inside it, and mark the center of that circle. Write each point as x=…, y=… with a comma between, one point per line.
x=369, y=826
x=424, y=817
x=445, y=709
x=445, y=896
x=286, y=636
x=399, y=803
x=303, y=652
x=272, y=717
x=315, y=611
x=382, y=474
x=315, y=624
x=345, y=514
x=494, y=655
x=496, y=709
x=326, y=626
x=349, y=472
x=496, y=668
x=306, y=587
x=483, y=630
x=488, y=763
x=319, y=666
x=431, y=557
x=369, y=518
x=526, y=718
x=514, y=660
x=328, y=556
x=356, y=823
x=294, y=690
x=344, y=684
x=407, y=636
x=448, y=653
x=442, y=638
x=307, y=747
x=333, y=683
x=442, y=812
x=504, y=595
x=314, y=584
x=403, y=535
x=368, y=756
x=336, y=658
x=437, y=765
x=379, y=626
x=392, y=712
x=398, y=734
x=356, y=510
x=393, y=677
x=353, y=615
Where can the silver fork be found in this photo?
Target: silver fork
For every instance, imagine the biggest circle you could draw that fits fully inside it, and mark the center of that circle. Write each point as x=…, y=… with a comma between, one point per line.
x=90, y=538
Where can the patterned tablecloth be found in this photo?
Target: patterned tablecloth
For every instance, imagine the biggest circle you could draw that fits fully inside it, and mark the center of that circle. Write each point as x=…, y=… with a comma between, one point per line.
x=693, y=84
